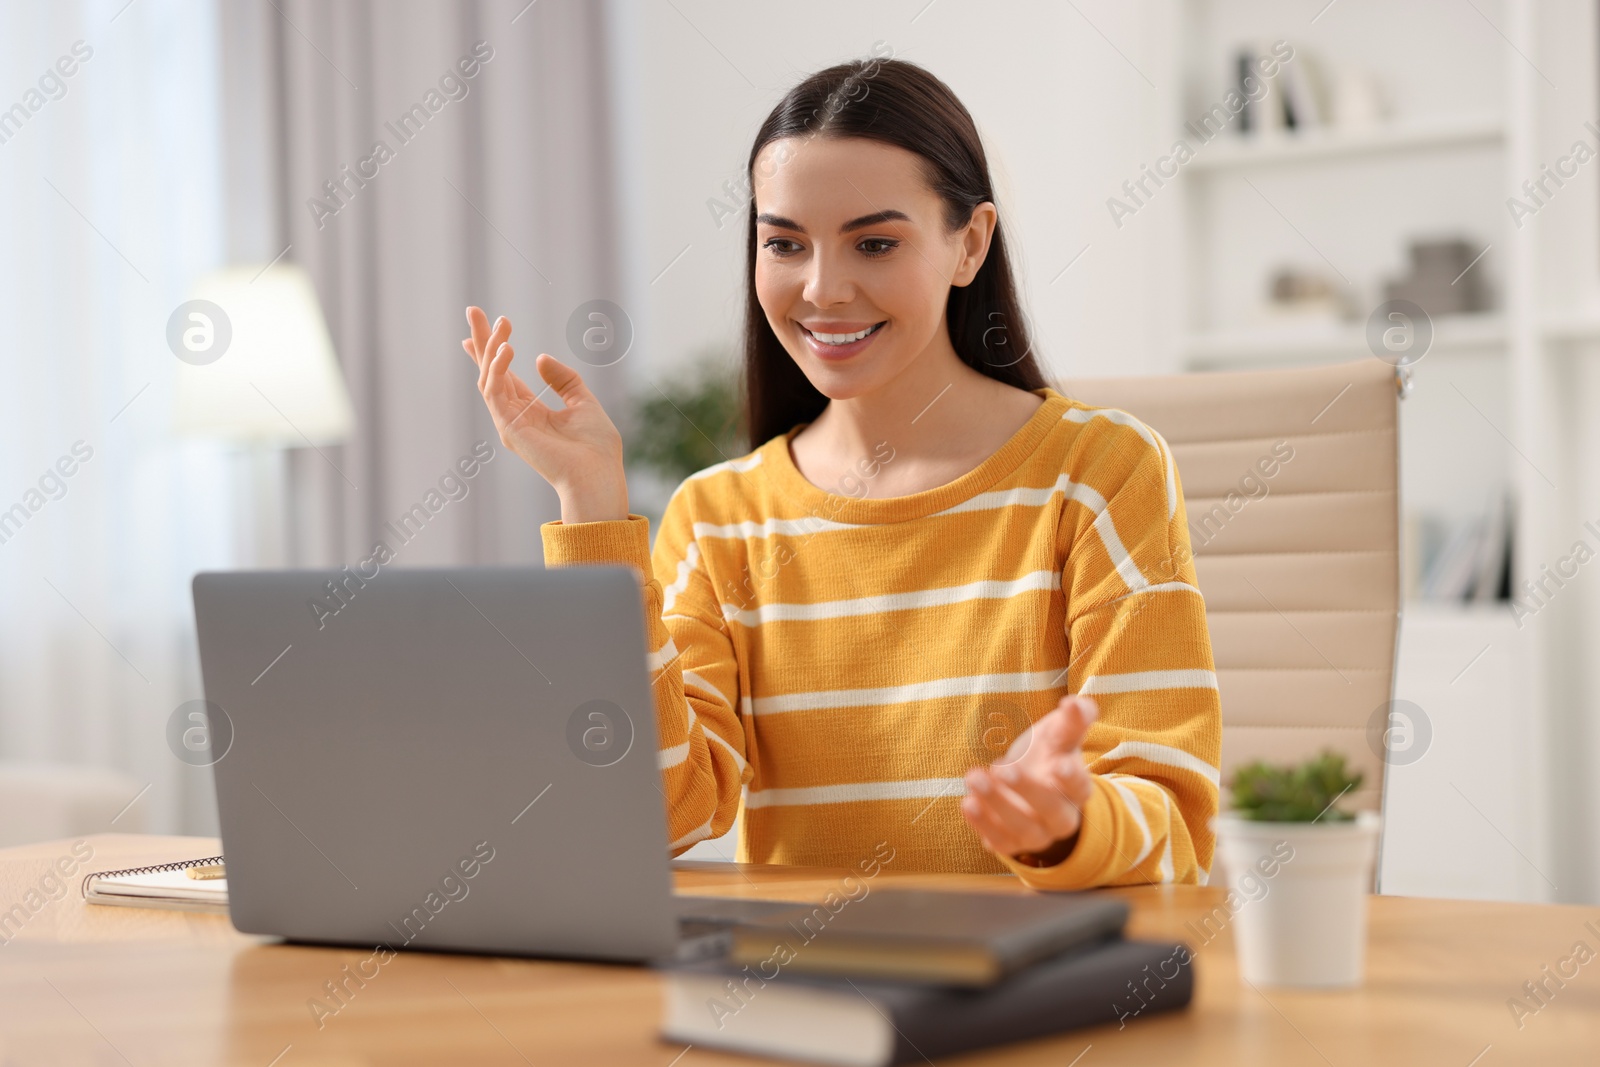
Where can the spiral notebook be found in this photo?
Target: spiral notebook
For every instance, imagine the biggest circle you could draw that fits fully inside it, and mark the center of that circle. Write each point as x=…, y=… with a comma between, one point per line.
x=187, y=885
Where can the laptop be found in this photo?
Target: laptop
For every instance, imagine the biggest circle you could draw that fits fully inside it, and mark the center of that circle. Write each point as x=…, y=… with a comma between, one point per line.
x=455, y=759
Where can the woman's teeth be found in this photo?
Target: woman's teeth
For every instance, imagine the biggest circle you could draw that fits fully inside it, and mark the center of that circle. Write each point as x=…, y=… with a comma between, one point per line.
x=842, y=338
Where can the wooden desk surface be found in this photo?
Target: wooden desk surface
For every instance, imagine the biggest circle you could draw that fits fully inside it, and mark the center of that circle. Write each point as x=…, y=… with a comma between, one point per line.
x=98, y=985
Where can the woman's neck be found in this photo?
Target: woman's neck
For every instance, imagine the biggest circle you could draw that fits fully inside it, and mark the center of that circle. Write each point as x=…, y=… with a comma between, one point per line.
x=941, y=418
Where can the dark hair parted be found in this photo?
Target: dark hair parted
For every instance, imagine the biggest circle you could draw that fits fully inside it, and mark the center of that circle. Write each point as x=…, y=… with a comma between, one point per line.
x=898, y=103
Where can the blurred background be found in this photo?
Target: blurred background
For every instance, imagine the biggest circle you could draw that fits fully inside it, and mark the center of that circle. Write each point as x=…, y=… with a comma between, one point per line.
x=321, y=187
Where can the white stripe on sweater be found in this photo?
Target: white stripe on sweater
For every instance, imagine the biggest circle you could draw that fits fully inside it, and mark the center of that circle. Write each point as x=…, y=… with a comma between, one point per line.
x=1086, y=495
x=1155, y=440
x=1022, y=496
x=841, y=794
x=698, y=680
x=662, y=656
x=1144, y=681
x=1168, y=875
x=1034, y=581
x=690, y=677
x=1162, y=755
x=671, y=757
x=1164, y=868
x=802, y=527
x=959, y=686
x=1135, y=812
x=690, y=560
x=699, y=833
x=1162, y=587
x=1127, y=570
x=737, y=466
x=1030, y=496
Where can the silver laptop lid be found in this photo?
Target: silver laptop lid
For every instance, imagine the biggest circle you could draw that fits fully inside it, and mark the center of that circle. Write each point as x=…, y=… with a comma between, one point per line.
x=448, y=759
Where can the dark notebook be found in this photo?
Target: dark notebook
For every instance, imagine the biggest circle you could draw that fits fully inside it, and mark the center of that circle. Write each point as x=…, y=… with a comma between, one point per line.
x=912, y=935
x=875, y=1023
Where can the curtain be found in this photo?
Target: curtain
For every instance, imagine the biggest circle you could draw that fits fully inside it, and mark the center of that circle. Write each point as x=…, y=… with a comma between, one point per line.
x=114, y=204
x=415, y=157
x=192, y=135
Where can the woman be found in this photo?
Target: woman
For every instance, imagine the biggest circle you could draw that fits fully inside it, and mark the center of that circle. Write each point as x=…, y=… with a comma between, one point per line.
x=885, y=624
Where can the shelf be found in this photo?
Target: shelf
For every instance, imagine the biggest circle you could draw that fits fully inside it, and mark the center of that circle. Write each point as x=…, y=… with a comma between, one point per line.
x=1232, y=152
x=1318, y=342
x=1573, y=328
x=1491, y=613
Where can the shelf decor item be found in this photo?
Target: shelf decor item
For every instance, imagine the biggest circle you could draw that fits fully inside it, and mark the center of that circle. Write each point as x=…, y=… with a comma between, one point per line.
x=1442, y=280
x=1300, y=870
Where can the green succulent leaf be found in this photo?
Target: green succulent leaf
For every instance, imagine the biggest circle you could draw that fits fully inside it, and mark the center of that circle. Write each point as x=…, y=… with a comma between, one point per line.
x=1306, y=793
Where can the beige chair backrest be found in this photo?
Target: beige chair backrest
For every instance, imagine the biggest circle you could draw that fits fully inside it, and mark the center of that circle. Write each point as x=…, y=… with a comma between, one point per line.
x=1300, y=566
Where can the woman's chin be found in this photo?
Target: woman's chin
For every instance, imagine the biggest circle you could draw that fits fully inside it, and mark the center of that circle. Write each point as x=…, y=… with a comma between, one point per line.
x=846, y=381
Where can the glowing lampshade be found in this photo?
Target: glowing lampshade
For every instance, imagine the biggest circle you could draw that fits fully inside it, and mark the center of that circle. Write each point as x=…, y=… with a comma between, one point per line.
x=257, y=364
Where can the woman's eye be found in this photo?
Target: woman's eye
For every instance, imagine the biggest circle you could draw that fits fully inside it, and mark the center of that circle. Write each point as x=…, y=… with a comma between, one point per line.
x=782, y=246
x=877, y=246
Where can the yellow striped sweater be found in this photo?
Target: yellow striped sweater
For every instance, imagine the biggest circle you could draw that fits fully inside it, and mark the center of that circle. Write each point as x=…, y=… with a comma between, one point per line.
x=835, y=663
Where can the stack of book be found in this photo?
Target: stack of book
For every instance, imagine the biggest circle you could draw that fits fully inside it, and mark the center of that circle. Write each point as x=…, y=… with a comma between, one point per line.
x=904, y=975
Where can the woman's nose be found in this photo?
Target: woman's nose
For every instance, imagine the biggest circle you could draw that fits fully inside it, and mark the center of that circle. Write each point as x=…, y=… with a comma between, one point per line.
x=827, y=283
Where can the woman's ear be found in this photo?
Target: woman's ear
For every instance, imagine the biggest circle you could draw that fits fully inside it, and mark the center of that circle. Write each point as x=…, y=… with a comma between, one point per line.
x=975, y=240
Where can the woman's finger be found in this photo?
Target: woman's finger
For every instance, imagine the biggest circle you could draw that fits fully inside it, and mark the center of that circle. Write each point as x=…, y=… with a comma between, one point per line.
x=471, y=352
x=1057, y=733
x=1073, y=780
x=1074, y=715
x=512, y=398
x=1020, y=747
x=1058, y=814
x=478, y=322
x=1010, y=810
x=499, y=335
x=995, y=837
x=567, y=383
x=497, y=377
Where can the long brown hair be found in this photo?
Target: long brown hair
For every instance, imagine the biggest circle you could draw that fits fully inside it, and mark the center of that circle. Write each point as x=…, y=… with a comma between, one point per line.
x=897, y=103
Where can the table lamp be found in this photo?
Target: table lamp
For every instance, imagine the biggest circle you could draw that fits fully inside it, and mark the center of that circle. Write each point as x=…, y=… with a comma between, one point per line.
x=257, y=369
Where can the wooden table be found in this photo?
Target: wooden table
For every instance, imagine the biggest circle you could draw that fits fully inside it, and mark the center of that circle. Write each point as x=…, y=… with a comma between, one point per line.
x=97, y=985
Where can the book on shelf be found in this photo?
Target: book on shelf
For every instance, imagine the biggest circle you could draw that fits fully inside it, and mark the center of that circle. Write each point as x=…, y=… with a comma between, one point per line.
x=1467, y=559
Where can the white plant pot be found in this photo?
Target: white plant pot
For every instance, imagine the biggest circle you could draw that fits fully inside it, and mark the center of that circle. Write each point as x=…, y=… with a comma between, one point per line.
x=1302, y=916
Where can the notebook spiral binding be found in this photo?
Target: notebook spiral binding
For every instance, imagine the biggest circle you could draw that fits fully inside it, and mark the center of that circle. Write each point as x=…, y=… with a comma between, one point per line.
x=179, y=865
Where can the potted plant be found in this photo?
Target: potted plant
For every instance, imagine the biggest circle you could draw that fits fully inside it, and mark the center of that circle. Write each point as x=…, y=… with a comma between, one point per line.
x=689, y=422
x=680, y=426
x=1302, y=869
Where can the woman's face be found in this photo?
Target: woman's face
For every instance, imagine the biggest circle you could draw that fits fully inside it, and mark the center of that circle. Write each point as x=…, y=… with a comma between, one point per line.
x=853, y=261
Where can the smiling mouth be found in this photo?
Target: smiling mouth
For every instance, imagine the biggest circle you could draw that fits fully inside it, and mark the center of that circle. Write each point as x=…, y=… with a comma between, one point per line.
x=842, y=339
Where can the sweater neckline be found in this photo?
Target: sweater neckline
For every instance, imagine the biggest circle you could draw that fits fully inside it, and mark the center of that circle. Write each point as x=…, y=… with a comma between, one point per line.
x=818, y=502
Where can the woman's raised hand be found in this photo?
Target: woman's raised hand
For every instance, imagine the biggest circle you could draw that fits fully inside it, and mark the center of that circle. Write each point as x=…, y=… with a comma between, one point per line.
x=1030, y=801
x=577, y=449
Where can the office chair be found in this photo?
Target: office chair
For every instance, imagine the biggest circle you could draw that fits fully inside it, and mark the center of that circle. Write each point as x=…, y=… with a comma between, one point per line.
x=1299, y=569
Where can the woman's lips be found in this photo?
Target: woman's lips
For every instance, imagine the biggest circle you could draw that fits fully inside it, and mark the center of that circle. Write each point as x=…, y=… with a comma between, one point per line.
x=823, y=350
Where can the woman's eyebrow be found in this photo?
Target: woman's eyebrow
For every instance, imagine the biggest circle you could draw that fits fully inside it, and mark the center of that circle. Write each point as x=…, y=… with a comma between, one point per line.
x=780, y=222
x=891, y=215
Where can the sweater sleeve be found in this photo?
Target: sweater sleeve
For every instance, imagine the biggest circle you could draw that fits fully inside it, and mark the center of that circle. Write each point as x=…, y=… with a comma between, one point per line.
x=693, y=671
x=1138, y=644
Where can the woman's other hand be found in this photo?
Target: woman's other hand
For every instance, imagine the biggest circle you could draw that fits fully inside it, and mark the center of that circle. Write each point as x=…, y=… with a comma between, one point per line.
x=577, y=448
x=1027, y=805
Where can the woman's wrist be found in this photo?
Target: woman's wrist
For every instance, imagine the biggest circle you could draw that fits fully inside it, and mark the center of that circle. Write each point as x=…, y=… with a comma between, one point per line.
x=1053, y=856
x=593, y=503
